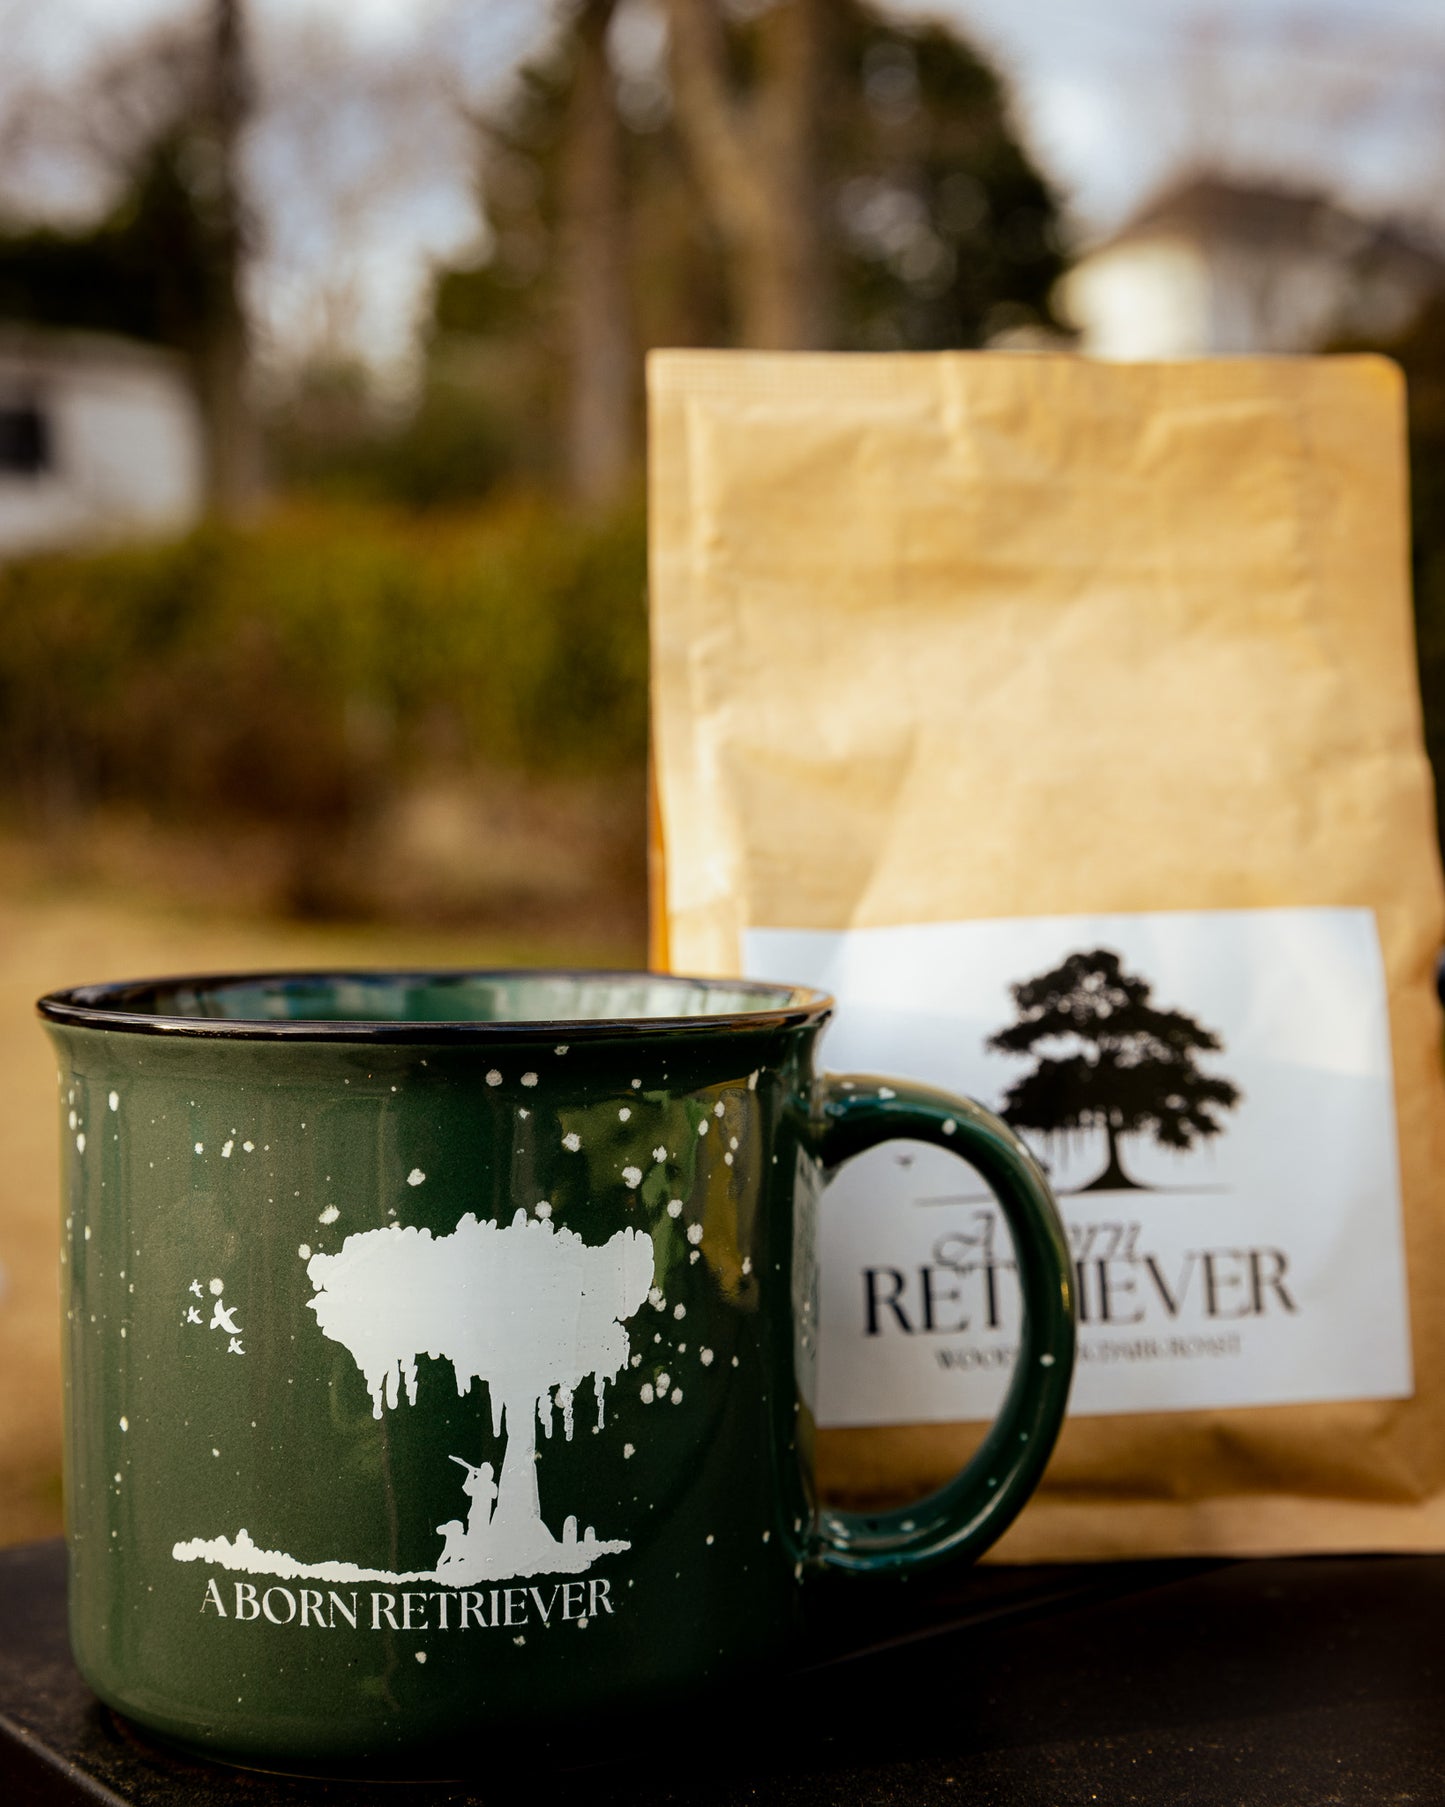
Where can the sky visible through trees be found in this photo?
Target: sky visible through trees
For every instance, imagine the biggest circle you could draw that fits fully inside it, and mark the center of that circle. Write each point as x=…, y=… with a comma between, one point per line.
x=363, y=177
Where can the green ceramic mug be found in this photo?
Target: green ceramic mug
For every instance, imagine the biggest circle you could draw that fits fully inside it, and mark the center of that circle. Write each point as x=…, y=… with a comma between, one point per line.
x=439, y=1349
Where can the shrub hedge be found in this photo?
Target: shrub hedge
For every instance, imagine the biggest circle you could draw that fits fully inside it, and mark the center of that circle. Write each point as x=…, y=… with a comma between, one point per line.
x=296, y=669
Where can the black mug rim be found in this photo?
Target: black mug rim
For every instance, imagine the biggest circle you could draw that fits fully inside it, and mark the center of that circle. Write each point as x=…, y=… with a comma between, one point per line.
x=114, y=1006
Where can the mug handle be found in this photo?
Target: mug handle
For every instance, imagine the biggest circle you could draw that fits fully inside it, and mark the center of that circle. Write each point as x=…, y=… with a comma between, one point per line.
x=968, y=1513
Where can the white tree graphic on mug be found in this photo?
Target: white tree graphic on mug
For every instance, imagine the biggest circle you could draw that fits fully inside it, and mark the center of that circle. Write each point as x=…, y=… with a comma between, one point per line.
x=529, y=1309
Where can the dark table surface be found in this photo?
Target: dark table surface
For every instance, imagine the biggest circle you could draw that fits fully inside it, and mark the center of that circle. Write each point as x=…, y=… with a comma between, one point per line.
x=1191, y=1684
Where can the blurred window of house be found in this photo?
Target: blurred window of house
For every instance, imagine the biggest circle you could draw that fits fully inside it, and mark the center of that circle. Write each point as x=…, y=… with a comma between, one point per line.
x=26, y=446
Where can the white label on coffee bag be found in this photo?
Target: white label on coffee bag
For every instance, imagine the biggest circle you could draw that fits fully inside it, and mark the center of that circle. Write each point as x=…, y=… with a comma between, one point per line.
x=1211, y=1095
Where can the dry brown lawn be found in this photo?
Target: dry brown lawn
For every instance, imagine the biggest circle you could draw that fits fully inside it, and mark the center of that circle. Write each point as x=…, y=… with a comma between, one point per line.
x=53, y=935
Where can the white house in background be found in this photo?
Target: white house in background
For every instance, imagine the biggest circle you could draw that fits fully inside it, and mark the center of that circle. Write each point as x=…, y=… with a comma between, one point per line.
x=1215, y=266
x=100, y=438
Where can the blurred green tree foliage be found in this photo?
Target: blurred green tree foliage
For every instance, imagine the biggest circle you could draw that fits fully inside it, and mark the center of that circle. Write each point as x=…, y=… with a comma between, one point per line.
x=297, y=672
x=934, y=227
x=948, y=234
x=142, y=271
x=450, y=445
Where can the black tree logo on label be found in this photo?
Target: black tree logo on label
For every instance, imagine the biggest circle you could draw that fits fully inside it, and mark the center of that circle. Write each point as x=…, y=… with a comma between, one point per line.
x=1123, y=1065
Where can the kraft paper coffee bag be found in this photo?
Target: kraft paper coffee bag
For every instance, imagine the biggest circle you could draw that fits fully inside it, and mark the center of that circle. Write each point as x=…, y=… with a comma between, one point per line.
x=1061, y=718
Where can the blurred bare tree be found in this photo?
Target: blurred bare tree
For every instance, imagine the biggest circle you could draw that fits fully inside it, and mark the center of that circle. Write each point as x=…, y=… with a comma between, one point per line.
x=221, y=338
x=1262, y=100
x=791, y=175
x=756, y=144
x=594, y=232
